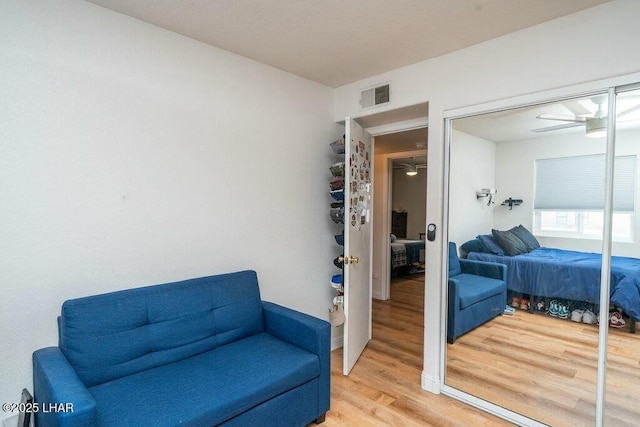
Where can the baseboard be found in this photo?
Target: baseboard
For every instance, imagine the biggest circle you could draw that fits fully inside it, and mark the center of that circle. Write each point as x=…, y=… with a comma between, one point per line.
x=430, y=384
x=337, y=337
x=336, y=343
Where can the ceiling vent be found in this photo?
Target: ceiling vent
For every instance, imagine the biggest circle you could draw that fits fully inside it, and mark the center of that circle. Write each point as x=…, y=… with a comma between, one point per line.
x=374, y=96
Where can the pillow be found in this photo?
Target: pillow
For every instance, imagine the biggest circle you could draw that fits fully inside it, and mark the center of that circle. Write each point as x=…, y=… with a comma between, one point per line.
x=393, y=238
x=527, y=238
x=474, y=245
x=490, y=244
x=509, y=242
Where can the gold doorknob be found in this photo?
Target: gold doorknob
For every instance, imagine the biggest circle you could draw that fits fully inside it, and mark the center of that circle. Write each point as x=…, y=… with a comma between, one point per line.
x=349, y=259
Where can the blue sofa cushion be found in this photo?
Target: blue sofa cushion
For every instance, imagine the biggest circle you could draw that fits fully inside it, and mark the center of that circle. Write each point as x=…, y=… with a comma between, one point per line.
x=473, y=289
x=209, y=388
x=113, y=335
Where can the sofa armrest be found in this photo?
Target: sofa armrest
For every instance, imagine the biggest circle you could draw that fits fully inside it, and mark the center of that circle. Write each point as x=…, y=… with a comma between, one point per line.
x=304, y=331
x=55, y=384
x=493, y=270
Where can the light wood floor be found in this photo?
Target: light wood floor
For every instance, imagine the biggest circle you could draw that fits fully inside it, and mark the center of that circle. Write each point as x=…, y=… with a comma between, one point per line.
x=537, y=365
x=383, y=388
x=546, y=368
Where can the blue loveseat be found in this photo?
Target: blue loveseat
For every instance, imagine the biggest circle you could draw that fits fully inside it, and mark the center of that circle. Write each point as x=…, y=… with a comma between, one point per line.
x=200, y=352
x=477, y=292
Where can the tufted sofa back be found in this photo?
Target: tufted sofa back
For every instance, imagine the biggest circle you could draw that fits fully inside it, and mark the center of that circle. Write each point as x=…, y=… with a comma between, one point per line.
x=117, y=334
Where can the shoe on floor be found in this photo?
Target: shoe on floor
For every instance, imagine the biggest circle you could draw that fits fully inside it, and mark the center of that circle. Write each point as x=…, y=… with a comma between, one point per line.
x=616, y=320
x=553, y=308
x=509, y=310
x=515, y=302
x=588, y=317
x=576, y=315
x=563, y=311
x=524, y=304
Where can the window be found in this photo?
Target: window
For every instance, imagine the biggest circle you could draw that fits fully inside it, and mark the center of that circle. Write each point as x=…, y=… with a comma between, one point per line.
x=569, y=197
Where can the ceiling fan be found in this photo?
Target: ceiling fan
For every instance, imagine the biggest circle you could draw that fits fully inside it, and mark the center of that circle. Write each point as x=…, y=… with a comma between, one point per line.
x=595, y=123
x=411, y=168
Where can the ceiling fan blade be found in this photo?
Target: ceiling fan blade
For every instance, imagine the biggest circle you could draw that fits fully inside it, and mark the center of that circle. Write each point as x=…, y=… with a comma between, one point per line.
x=562, y=118
x=576, y=108
x=628, y=111
x=552, y=128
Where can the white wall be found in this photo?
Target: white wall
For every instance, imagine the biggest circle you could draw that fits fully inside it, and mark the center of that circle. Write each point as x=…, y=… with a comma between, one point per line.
x=409, y=195
x=472, y=168
x=522, y=64
x=130, y=155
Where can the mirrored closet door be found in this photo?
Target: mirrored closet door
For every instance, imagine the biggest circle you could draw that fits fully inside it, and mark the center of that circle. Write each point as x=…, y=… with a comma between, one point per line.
x=623, y=345
x=528, y=214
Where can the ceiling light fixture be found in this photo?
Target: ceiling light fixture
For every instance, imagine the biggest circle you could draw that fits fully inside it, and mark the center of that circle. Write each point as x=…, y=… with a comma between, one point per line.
x=412, y=171
x=596, y=127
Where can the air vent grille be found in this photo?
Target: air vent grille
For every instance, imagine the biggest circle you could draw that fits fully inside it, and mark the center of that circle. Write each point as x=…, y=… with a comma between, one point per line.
x=374, y=96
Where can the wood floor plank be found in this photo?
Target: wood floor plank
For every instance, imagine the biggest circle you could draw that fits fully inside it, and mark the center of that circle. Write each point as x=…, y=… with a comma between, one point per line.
x=383, y=389
x=535, y=364
x=546, y=368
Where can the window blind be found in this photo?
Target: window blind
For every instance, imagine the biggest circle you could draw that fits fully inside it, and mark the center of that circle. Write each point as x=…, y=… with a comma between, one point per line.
x=577, y=183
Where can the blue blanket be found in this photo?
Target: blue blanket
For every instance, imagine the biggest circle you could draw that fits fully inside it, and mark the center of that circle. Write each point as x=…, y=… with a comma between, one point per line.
x=557, y=273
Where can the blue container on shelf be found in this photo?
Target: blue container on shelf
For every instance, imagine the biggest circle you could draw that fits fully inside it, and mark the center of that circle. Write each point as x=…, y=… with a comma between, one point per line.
x=336, y=281
x=337, y=194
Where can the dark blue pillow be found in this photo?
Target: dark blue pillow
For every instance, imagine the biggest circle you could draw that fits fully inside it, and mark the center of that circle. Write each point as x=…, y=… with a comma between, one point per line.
x=527, y=238
x=474, y=245
x=490, y=244
x=509, y=242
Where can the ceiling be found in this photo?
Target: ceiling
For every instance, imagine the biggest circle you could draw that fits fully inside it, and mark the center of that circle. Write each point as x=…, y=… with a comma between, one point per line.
x=400, y=142
x=335, y=42
x=530, y=122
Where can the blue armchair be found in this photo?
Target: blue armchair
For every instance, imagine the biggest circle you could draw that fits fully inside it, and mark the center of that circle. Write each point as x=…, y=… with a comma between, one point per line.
x=477, y=293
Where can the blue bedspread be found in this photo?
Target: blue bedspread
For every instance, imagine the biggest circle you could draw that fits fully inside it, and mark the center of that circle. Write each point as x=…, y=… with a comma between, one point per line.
x=557, y=273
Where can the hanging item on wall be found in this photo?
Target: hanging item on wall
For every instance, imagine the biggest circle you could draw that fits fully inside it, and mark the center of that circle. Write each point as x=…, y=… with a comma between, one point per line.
x=511, y=203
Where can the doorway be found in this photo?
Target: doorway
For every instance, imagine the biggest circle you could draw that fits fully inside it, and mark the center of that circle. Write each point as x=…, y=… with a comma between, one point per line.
x=400, y=197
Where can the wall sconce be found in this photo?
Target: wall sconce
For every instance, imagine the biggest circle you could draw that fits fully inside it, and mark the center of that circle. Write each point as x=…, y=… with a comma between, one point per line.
x=486, y=192
x=511, y=203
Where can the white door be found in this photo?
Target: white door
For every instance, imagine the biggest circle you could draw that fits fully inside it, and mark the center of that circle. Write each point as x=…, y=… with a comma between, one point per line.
x=357, y=242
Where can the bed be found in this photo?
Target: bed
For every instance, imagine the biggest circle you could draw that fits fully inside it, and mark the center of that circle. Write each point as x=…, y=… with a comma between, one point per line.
x=558, y=273
x=406, y=252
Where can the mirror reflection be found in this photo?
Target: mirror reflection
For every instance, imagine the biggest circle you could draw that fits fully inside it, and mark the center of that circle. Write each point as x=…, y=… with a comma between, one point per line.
x=526, y=220
x=623, y=348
